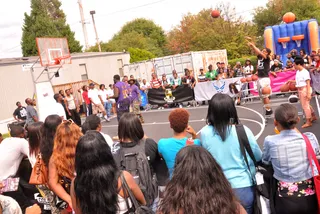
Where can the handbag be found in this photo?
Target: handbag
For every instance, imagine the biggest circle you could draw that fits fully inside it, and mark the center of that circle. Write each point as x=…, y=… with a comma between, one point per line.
x=312, y=157
x=136, y=208
x=66, y=184
x=39, y=174
x=262, y=180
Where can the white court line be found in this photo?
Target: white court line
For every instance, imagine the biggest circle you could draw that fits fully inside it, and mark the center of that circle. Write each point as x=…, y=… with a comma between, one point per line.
x=262, y=119
x=155, y=123
x=250, y=120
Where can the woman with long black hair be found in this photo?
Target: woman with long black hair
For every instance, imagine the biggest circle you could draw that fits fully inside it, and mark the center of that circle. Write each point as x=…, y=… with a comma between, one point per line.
x=221, y=140
x=198, y=185
x=97, y=187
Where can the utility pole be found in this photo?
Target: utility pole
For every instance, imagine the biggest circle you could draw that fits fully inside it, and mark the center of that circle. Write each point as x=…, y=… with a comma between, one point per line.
x=95, y=29
x=84, y=28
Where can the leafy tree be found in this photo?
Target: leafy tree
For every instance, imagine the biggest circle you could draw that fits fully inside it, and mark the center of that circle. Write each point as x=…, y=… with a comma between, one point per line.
x=46, y=20
x=275, y=9
x=137, y=55
x=202, y=32
x=140, y=33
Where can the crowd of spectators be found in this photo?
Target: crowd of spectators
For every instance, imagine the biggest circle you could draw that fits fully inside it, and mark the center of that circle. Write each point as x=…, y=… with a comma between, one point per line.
x=191, y=172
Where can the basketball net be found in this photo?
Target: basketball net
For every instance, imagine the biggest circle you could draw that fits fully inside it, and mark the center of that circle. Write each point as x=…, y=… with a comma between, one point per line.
x=284, y=45
x=298, y=42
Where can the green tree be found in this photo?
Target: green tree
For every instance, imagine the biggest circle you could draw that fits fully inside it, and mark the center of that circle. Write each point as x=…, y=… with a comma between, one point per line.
x=202, y=32
x=137, y=55
x=140, y=33
x=46, y=20
x=275, y=9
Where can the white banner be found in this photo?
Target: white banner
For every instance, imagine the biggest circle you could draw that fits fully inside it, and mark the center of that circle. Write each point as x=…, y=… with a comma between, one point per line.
x=205, y=90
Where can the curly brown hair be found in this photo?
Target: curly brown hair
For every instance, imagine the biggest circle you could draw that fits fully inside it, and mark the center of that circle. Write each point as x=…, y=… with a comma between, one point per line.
x=179, y=119
x=64, y=149
x=198, y=186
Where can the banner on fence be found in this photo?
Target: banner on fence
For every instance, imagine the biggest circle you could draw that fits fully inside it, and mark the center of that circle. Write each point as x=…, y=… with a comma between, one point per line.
x=276, y=82
x=205, y=90
x=178, y=95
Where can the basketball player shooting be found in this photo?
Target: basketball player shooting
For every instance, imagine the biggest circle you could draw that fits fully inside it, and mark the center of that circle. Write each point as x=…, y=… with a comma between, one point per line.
x=263, y=67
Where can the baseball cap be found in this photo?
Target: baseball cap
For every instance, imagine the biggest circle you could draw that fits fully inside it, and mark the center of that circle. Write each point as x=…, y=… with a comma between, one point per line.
x=91, y=84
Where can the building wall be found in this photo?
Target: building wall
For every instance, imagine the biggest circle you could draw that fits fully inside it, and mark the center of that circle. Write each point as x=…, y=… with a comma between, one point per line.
x=17, y=85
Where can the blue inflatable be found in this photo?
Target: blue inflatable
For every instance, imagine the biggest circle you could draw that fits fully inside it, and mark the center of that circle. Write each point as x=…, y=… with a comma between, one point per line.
x=296, y=35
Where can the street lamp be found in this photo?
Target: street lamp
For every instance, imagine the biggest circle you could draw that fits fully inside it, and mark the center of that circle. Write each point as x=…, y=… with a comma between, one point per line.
x=92, y=12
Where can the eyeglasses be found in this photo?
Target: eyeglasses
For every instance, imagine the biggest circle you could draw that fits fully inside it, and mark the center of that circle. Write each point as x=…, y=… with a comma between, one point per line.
x=69, y=121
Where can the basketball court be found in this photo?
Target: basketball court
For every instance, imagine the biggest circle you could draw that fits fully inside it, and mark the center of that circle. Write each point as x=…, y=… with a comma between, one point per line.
x=157, y=126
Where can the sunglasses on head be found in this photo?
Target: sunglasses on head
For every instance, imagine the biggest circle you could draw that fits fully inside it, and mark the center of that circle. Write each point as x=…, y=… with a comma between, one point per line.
x=69, y=121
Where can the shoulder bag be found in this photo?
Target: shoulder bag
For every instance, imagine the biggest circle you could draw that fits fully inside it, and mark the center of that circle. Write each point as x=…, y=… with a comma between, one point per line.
x=138, y=209
x=312, y=158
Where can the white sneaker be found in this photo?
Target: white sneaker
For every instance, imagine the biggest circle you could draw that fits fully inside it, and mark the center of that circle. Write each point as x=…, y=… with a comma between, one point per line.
x=188, y=106
x=106, y=118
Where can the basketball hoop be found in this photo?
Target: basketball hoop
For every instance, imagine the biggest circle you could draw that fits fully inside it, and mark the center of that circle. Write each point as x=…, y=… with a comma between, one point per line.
x=298, y=39
x=53, y=51
x=62, y=60
x=284, y=41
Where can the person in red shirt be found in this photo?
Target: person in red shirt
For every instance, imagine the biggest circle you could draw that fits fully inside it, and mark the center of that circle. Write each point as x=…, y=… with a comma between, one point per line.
x=155, y=82
x=87, y=100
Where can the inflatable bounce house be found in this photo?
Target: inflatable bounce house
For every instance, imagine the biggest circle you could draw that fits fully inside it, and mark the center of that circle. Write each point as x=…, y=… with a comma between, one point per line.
x=283, y=38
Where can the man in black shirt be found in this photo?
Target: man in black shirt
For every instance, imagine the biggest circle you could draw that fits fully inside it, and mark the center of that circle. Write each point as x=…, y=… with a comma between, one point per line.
x=20, y=114
x=276, y=67
x=264, y=82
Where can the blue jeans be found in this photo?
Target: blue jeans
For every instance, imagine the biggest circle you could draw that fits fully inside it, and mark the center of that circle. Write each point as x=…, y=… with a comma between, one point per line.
x=246, y=197
x=108, y=106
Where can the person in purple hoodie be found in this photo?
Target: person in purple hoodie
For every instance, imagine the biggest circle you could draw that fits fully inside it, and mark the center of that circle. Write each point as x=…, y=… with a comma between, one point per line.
x=121, y=95
x=135, y=99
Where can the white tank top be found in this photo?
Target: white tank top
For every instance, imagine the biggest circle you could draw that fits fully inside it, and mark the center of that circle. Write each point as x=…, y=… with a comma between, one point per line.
x=71, y=103
x=123, y=205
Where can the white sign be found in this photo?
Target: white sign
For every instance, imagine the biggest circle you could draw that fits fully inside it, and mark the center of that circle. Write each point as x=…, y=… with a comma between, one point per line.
x=26, y=67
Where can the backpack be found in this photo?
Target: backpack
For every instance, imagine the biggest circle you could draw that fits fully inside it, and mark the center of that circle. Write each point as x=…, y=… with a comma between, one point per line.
x=135, y=161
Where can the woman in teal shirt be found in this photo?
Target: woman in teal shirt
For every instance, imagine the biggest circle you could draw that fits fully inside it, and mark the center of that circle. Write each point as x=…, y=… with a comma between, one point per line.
x=221, y=140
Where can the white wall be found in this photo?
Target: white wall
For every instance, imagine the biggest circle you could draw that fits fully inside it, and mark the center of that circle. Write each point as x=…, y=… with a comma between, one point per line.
x=17, y=85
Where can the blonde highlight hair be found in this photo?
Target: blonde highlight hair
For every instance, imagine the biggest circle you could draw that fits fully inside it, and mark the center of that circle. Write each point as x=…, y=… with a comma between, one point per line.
x=64, y=150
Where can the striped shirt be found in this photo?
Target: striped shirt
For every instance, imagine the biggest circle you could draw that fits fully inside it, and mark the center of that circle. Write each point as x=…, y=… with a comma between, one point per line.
x=155, y=83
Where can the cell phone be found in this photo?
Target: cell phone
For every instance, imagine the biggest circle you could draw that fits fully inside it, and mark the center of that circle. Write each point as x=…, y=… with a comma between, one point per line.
x=10, y=185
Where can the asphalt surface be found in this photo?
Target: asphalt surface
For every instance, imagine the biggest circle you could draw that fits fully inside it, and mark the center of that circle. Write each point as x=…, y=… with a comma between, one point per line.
x=156, y=124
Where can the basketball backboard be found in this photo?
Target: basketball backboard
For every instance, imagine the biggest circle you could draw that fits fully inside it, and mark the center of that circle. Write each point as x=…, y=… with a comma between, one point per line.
x=53, y=51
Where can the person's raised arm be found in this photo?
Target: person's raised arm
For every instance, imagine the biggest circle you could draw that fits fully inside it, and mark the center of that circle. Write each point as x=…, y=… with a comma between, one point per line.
x=134, y=188
x=54, y=184
x=257, y=50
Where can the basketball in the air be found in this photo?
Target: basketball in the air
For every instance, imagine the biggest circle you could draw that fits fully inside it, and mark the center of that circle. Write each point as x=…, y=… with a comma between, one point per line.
x=215, y=13
x=289, y=17
x=266, y=90
x=284, y=88
x=254, y=77
x=249, y=79
x=292, y=87
x=243, y=80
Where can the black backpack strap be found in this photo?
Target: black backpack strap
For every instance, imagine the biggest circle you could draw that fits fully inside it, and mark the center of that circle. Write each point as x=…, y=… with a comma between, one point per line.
x=244, y=145
x=127, y=189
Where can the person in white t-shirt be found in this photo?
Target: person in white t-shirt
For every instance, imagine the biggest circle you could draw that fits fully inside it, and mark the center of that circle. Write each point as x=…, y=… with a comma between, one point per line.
x=110, y=93
x=58, y=108
x=104, y=99
x=12, y=151
x=97, y=104
x=302, y=82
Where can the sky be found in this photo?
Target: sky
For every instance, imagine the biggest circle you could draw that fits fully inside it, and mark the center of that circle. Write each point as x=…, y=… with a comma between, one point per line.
x=110, y=17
